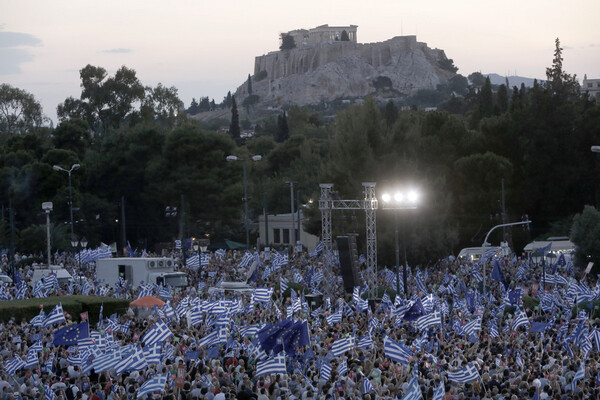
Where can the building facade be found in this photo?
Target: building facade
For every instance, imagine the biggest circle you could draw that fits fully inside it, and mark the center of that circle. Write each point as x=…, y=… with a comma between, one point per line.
x=283, y=231
x=591, y=86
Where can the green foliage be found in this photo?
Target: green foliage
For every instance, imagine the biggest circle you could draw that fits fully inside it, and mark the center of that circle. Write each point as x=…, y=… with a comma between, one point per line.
x=287, y=42
x=260, y=76
x=447, y=64
x=344, y=36
x=20, y=112
x=250, y=101
x=477, y=79
x=249, y=84
x=283, y=131
x=486, y=99
x=585, y=234
x=234, y=126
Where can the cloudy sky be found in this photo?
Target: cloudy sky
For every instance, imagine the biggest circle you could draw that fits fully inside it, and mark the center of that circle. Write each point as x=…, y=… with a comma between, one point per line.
x=205, y=48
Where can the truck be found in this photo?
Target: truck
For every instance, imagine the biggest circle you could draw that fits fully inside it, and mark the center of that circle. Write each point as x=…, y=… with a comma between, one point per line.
x=158, y=270
x=40, y=271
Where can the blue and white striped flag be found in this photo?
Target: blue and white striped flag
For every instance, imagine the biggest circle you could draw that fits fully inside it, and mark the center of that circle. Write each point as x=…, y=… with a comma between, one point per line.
x=440, y=392
x=55, y=316
x=341, y=346
x=579, y=375
x=429, y=320
x=262, y=295
x=414, y=390
x=14, y=365
x=155, y=384
x=325, y=373
x=152, y=353
x=396, y=351
x=220, y=253
x=472, y=327
x=334, y=318
x=519, y=360
x=193, y=261
x=48, y=392
x=366, y=342
x=520, y=319
x=283, y=284
x=367, y=386
x=343, y=367
x=275, y=365
x=135, y=362
x=464, y=375
x=204, y=259
x=158, y=333
x=106, y=361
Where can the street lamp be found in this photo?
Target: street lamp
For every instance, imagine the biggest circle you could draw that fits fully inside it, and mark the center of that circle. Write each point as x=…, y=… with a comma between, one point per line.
x=68, y=171
x=75, y=243
x=47, y=207
x=232, y=158
x=400, y=200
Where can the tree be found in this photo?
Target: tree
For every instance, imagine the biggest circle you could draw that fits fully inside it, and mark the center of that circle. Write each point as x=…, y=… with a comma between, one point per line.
x=161, y=104
x=283, y=131
x=249, y=85
x=20, y=112
x=344, y=37
x=390, y=113
x=71, y=135
x=234, y=127
x=559, y=82
x=194, y=107
x=227, y=100
x=287, y=42
x=486, y=99
x=502, y=97
x=585, y=234
x=477, y=79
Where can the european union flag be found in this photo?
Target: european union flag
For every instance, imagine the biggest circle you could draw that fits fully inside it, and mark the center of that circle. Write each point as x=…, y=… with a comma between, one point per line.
x=71, y=334
x=415, y=311
x=271, y=334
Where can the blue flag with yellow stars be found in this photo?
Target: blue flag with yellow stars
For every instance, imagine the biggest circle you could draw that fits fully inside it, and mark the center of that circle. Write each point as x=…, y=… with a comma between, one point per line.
x=69, y=335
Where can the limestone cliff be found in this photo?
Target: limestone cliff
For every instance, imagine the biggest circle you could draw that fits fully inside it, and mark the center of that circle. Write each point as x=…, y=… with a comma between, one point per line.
x=342, y=70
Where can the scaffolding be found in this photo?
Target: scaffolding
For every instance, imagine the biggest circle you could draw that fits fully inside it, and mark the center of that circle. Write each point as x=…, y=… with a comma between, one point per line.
x=369, y=204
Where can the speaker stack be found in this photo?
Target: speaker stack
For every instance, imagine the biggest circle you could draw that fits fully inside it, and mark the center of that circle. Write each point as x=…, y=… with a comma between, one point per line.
x=348, y=254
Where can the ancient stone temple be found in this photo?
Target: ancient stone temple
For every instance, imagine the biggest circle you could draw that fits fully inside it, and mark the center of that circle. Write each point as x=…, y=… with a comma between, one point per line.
x=323, y=34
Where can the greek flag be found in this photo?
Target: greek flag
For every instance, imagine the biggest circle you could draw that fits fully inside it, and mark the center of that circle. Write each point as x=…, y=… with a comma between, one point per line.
x=152, y=353
x=367, y=386
x=135, y=362
x=429, y=320
x=204, y=259
x=220, y=253
x=155, y=384
x=193, y=261
x=106, y=361
x=262, y=295
x=246, y=259
x=55, y=316
x=414, y=391
x=396, y=351
x=341, y=346
x=318, y=248
x=14, y=365
x=39, y=319
x=472, y=327
x=334, y=318
x=464, y=375
x=365, y=342
x=158, y=333
x=38, y=290
x=440, y=392
x=325, y=373
x=48, y=392
x=50, y=282
x=342, y=368
x=520, y=319
x=283, y=284
x=275, y=365
x=215, y=337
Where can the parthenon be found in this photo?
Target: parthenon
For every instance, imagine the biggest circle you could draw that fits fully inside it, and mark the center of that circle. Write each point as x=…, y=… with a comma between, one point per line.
x=322, y=34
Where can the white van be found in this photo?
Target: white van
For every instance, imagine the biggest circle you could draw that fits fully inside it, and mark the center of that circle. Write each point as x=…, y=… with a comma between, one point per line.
x=62, y=275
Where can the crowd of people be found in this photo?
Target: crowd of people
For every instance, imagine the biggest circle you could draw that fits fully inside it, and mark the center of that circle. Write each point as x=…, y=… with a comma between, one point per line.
x=517, y=338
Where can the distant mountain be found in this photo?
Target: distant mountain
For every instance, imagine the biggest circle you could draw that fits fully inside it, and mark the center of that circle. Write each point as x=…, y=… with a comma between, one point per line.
x=496, y=79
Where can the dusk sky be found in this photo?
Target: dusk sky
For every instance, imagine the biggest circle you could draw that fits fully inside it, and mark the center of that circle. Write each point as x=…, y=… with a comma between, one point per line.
x=205, y=48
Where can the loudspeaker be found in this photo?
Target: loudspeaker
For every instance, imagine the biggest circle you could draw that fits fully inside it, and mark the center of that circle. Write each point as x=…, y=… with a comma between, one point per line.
x=348, y=254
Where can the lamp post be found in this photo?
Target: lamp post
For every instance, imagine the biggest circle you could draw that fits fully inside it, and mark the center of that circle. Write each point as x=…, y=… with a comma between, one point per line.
x=68, y=171
x=293, y=232
x=399, y=200
x=47, y=207
x=232, y=158
x=77, y=244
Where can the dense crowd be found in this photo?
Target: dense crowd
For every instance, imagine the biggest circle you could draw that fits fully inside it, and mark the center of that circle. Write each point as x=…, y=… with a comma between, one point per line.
x=521, y=340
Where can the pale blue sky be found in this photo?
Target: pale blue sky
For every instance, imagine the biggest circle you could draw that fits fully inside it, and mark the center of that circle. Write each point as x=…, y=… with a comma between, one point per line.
x=205, y=48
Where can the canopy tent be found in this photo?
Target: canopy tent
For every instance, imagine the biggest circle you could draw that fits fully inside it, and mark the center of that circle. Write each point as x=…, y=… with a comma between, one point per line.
x=226, y=244
x=148, y=302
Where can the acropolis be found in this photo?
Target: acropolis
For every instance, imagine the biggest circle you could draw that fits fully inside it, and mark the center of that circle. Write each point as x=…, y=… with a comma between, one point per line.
x=322, y=34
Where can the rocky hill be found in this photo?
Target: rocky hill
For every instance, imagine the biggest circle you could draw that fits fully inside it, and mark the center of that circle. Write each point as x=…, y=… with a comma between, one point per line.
x=345, y=70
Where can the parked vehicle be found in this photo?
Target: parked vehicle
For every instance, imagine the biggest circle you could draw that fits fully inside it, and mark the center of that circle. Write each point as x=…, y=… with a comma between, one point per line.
x=62, y=275
x=158, y=270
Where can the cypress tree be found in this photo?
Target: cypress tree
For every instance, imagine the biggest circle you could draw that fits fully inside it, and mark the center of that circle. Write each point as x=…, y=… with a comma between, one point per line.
x=234, y=127
x=249, y=84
